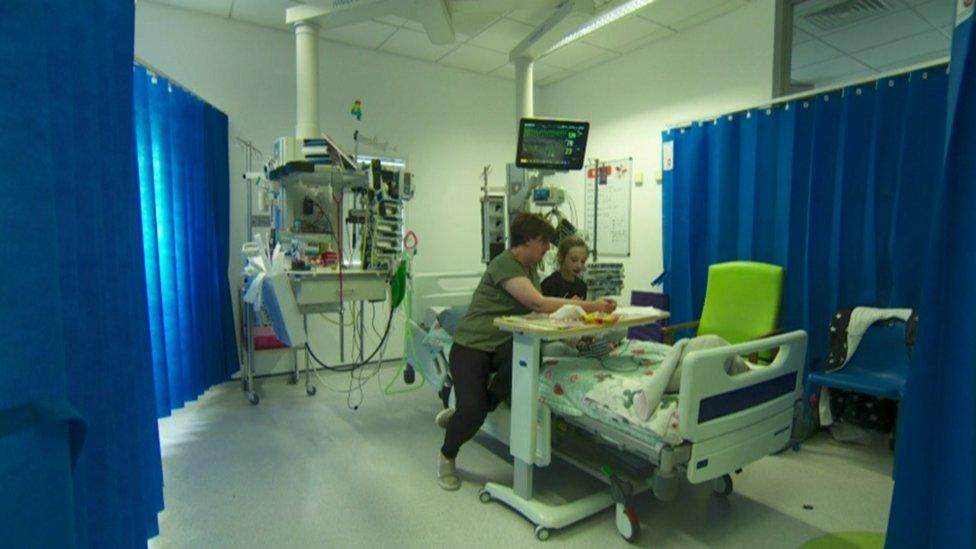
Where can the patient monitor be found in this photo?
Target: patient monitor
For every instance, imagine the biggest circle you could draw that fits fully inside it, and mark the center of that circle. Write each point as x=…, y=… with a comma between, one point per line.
x=544, y=146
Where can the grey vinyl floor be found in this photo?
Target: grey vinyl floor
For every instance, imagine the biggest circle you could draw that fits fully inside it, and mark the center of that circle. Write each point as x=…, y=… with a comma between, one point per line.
x=300, y=471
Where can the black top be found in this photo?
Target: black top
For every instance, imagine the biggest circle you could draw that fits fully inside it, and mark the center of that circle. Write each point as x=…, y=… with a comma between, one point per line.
x=555, y=285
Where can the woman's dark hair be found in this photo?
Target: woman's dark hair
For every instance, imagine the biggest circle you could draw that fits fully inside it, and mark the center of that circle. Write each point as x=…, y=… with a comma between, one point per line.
x=529, y=226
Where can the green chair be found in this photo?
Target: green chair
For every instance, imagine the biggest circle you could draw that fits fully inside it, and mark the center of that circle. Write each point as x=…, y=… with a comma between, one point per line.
x=742, y=302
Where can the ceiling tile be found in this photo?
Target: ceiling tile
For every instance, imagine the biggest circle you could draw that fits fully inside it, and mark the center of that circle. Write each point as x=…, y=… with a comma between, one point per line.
x=401, y=22
x=877, y=31
x=502, y=35
x=833, y=70
x=471, y=23
x=599, y=60
x=670, y=12
x=219, y=8
x=813, y=51
x=394, y=20
x=802, y=25
x=365, y=35
x=532, y=17
x=715, y=9
x=415, y=44
x=940, y=13
x=684, y=14
x=623, y=32
x=474, y=58
x=917, y=60
x=800, y=36
x=923, y=44
x=269, y=13
x=576, y=53
x=415, y=25
x=655, y=36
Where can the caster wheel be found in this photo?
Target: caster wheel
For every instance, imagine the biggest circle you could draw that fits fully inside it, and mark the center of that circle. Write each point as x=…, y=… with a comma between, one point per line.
x=311, y=390
x=628, y=523
x=722, y=486
x=541, y=534
x=293, y=379
x=484, y=497
x=796, y=446
x=253, y=398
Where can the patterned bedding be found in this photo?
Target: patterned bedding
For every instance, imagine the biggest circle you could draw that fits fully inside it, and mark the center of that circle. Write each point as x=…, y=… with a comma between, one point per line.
x=605, y=390
x=602, y=389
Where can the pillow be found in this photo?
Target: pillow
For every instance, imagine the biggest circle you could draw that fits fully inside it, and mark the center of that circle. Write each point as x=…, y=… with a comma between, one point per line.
x=450, y=317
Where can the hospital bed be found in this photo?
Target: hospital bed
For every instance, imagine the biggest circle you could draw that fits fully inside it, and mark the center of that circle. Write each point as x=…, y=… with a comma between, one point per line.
x=727, y=421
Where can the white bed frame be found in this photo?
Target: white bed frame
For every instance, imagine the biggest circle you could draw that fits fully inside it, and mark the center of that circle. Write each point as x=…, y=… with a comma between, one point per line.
x=428, y=291
x=727, y=421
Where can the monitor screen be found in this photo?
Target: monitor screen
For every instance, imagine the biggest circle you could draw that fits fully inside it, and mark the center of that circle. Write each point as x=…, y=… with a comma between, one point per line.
x=551, y=144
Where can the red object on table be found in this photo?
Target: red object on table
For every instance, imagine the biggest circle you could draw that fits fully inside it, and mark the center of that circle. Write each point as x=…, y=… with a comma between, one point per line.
x=264, y=339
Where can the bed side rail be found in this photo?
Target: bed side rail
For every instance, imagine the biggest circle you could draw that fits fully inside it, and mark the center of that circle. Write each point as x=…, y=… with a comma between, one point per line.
x=431, y=364
x=733, y=420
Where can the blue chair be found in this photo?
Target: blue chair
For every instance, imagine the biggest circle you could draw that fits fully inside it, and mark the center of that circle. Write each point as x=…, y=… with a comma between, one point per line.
x=878, y=368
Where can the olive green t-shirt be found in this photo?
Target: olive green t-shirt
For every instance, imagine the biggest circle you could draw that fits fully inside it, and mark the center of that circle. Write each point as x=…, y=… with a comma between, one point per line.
x=476, y=328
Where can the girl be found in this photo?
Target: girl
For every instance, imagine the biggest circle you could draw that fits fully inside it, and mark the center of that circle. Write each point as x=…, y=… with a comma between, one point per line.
x=566, y=282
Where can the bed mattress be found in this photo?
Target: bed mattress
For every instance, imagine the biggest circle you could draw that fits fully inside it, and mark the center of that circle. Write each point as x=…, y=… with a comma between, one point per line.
x=601, y=389
x=604, y=391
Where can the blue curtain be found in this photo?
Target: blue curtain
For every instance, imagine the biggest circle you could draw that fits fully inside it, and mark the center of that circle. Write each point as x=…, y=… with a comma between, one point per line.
x=935, y=470
x=837, y=188
x=181, y=143
x=74, y=341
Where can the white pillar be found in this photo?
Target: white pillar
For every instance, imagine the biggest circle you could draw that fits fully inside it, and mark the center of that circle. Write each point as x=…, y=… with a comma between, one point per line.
x=523, y=89
x=307, y=69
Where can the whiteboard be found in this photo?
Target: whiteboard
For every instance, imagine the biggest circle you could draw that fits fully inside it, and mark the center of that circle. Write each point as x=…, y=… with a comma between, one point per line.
x=611, y=202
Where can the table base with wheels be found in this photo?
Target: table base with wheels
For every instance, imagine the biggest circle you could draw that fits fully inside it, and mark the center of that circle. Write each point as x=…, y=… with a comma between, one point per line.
x=548, y=517
x=525, y=406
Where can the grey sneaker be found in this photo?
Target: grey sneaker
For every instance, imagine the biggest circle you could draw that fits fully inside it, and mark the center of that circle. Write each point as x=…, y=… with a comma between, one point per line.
x=447, y=476
x=444, y=417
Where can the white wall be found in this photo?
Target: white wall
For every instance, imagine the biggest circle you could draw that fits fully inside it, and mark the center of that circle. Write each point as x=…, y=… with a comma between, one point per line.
x=447, y=123
x=720, y=66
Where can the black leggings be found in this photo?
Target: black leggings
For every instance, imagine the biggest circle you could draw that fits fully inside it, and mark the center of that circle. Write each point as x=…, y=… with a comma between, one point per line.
x=474, y=398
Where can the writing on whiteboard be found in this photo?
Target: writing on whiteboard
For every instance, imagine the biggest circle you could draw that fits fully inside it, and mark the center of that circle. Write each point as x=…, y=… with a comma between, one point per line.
x=607, y=195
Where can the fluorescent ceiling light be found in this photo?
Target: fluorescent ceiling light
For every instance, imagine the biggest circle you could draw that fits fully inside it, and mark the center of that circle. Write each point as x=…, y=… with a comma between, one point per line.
x=601, y=20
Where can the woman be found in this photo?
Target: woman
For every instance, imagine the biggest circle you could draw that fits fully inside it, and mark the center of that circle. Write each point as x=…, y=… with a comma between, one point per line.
x=510, y=286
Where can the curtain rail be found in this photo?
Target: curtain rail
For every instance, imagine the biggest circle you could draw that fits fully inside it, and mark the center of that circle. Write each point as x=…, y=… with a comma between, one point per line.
x=815, y=92
x=148, y=66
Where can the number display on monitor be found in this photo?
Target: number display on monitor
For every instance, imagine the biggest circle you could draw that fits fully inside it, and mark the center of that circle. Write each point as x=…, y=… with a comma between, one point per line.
x=545, y=144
